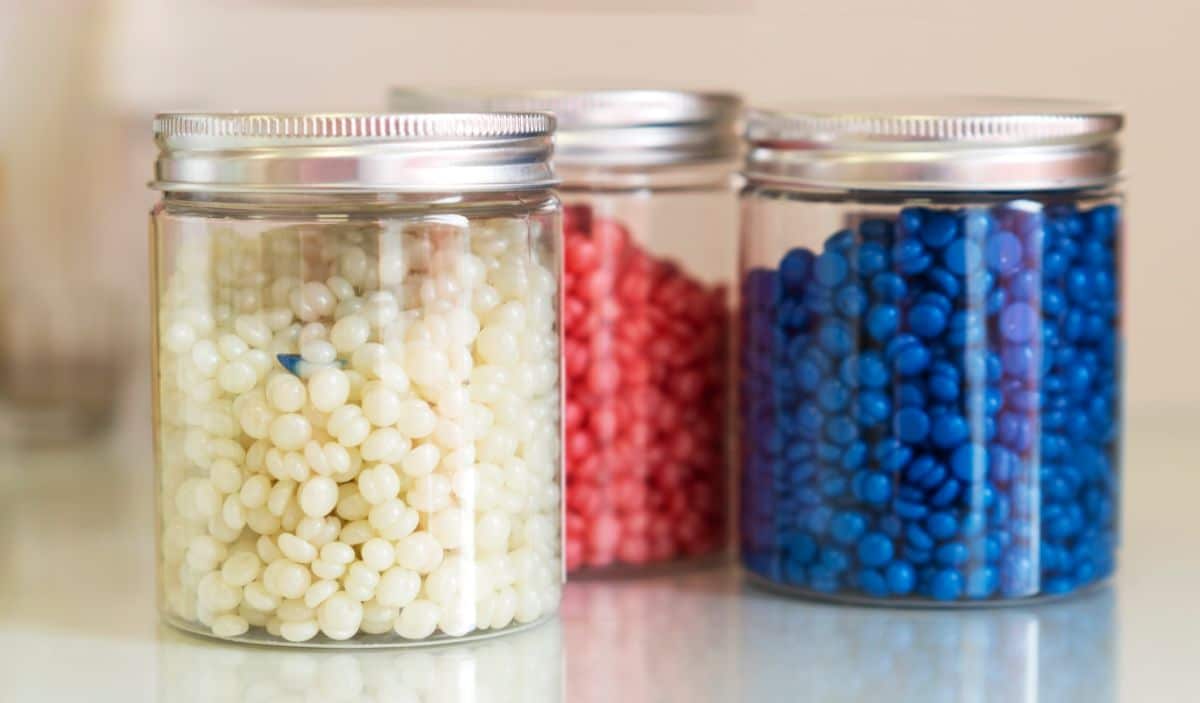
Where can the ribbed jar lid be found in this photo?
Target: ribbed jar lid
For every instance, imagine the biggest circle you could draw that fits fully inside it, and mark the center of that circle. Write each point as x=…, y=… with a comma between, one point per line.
x=353, y=153
x=634, y=128
x=937, y=144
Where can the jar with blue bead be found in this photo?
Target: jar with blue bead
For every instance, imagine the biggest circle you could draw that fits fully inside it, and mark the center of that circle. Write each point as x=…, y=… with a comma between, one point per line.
x=930, y=350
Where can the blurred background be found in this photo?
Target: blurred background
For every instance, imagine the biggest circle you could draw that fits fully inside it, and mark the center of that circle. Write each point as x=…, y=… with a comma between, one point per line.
x=80, y=80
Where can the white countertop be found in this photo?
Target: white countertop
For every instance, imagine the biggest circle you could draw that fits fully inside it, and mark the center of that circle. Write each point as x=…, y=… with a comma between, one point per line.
x=77, y=619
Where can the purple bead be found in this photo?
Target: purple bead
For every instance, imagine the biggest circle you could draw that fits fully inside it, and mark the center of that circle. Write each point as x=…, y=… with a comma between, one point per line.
x=1019, y=323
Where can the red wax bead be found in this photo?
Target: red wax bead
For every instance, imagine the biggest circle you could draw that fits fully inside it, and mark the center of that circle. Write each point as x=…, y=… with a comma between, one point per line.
x=580, y=256
x=634, y=550
x=574, y=554
x=604, y=376
x=605, y=532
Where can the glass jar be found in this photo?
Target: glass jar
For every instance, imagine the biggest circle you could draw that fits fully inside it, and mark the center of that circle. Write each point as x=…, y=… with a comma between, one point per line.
x=646, y=183
x=357, y=377
x=930, y=351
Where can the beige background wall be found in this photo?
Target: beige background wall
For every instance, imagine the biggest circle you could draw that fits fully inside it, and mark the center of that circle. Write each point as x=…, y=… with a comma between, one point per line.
x=273, y=54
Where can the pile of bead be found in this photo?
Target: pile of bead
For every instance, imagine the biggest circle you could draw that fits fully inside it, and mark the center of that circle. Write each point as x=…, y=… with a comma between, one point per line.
x=929, y=405
x=645, y=368
x=359, y=430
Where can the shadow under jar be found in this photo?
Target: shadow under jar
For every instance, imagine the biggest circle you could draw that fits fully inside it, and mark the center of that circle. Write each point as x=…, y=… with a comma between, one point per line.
x=357, y=377
x=648, y=213
x=930, y=351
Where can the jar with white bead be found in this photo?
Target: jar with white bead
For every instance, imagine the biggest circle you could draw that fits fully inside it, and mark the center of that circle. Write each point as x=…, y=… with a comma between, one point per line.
x=357, y=381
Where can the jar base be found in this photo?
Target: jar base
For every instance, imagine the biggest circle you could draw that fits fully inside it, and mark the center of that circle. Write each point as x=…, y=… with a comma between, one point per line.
x=919, y=603
x=622, y=571
x=258, y=636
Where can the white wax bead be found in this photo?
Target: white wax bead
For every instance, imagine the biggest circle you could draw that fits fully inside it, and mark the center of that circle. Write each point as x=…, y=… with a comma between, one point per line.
x=236, y=377
x=310, y=528
x=206, y=357
x=349, y=333
x=462, y=326
x=230, y=626
x=352, y=265
x=505, y=608
x=416, y=419
x=367, y=357
x=232, y=346
x=266, y=549
x=286, y=578
x=348, y=308
x=295, y=610
x=443, y=584
x=318, y=496
x=319, y=592
x=279, y=497
x=232, y=512
x=273, y=626
x=325, y=570
x=379, y=554
x=418, y=620
x=497, y=445
x=223, y=532
x=429, y=493
x=253, y=330
x=492, y=532
x=302, y=631
x=316, y=299
x=255, y=490
x=286, y=393
x=205, y=553
x=449, y=434
x=398, y=587
x=241, y=568
x=464, y=484
x=510, y=315
x=379, y=484
x=361, y=581
x=290, y=431
x=179, y=337
x=484, y=299
x=356, y=532
x=215, y=595
x=328, y=389
x=255, y=419
x=318, y=351
x=425, y=364
x=380, y=308
x=453, y=401
x=340, y=616
x=457, y=620
x=296, y=549
x=529, y=605
x=225, y=476
x=252, y=616
x=381, y=405
x=337, y=553
x=312, y=332
x=199, y=498
x=448, y=527
x=219, y=424
x=259, y=360
x=354, y=431
x=257, y=596
x=330, y=530
x=263, y=521
x=340, y=287
x=419, y=552
x=459, y=459
x=385, y=445
x=278, y=318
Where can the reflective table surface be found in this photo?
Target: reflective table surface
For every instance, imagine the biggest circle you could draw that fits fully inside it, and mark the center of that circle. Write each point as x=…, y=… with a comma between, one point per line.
x=77, y=618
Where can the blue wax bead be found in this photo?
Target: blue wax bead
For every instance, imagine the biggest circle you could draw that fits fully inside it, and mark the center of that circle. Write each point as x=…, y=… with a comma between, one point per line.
x=1079, y=286
x=819, y=301
x=969, y=462
x=920, y=468
x=995, y=367
x=851, y=300
x=962, y=256
x=909, y=257
x=888, y=287
x=892, y=455
x=801, y=547
x=1025, y=285
x=951, y=554
x=828, y=452
x=944, y=386
x=882, y=321
x=1017, y=575
x=793, y=573
x=901, y=578
x=910, y=395
x=847, y=526
x=977, y=224
x=918, y=537
x=872, y=258
x=946, y=494
x=973, y=524
x=911, y=425
x=1054, y=264
x=996, y=300
x=808, y=374
x=832, y=395
x=822, y=579
x=836, y=337
x=833, y=486
x=848, y=371
x=873, y=407
x=917, y=556
x=944, y=282
x=939, y=229
x=855, y=455
x=1019, y=323
x=841, y=430
x=926, y=320
x=1103, y=221
x=872, y=371
x=967, y=328
x=875, y=488
x=947, y=585
x=872, y=583
x=795, y=268
x=942, y=525
x=818, y=518
x=982, y=582
x=874, y=229
x=1003, y=253
x=834, y=559
x=911, y=219
x=909, y=359
x=875, y=549
x=840, y=242
x=830, y=269
x=949, y=430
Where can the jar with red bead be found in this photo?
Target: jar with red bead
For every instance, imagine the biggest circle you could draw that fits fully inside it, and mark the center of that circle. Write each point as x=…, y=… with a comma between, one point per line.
x=648, y=219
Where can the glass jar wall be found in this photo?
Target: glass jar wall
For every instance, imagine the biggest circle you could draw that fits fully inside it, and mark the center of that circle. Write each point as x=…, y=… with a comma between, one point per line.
x=929, y=389
x=648, y=219
x=358, y=412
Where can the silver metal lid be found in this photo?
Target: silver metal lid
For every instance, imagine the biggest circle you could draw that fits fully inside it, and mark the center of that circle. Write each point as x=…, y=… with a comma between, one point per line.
x=615, y=128
x=946, y=144
x=353, y=153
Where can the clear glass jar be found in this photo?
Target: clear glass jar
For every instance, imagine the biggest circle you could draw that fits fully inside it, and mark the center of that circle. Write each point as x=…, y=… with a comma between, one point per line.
x=930, y=352
x=357, y=392
x=647, y=251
